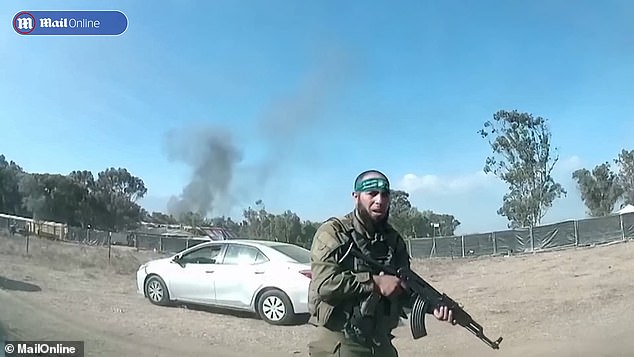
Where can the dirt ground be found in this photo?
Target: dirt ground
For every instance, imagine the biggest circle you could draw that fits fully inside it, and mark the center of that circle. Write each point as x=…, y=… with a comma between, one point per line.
x=577, y=302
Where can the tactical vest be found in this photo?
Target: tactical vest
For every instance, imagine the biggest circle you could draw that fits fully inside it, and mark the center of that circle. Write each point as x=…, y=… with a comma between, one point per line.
x=373, y=315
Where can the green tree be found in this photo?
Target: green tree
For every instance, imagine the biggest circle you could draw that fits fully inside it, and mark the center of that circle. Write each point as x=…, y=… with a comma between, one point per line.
x=87, y=205
x=121, y=183
x=308, y=233
x=411, y=222
x=10, y=197
x=523, y=158
x=599, y=189
x=36, y=196
x=116, y=193
x=257, y=222
x=401, y=213
x=52, y=197
x=285, y=227
x=625, y=161
x=399, y=202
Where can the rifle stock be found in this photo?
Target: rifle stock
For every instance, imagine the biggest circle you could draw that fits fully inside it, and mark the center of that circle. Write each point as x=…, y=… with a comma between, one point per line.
x=425, y=299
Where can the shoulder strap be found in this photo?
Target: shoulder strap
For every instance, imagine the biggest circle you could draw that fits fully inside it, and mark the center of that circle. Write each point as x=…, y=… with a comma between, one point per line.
x=345, y=231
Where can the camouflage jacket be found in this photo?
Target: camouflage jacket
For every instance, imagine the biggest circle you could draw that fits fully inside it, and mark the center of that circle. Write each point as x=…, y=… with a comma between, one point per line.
x=335, y=287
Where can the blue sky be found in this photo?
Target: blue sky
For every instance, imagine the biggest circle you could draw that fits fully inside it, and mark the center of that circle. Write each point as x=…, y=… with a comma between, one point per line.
x=322, y=90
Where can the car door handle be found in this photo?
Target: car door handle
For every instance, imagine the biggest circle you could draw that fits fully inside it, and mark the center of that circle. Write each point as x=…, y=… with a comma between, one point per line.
x=209, y=271
x=258, y=272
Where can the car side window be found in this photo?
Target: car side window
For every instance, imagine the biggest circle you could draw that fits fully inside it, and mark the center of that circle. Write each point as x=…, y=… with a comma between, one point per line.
x=240, y=254
x=261, y=258
x=205, y=255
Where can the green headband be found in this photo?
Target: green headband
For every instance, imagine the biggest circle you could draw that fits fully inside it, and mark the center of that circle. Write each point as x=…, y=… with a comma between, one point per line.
x=373, y=184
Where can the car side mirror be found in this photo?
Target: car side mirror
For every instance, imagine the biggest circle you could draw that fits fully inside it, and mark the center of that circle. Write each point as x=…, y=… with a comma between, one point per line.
x=177, y=260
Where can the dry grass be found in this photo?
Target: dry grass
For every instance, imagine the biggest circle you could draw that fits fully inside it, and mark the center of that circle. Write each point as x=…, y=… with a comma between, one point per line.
x=67, y=256
x=575, y=302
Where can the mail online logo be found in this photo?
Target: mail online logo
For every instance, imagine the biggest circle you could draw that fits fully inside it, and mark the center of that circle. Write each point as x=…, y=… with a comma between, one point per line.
x=24, y=23
x=70, y=23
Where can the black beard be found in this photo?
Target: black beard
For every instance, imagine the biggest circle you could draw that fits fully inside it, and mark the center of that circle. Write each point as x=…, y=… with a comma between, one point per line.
x=370, y=222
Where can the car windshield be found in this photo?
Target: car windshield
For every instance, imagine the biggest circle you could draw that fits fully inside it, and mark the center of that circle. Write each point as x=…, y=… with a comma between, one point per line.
x=294, y=252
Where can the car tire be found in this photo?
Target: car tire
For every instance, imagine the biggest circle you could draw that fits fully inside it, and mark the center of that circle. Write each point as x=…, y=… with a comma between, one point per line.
x=156, y=291
x=275, y=308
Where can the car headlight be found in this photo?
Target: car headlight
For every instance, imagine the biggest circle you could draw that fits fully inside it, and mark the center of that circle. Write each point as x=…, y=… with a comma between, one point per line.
x=143, y=266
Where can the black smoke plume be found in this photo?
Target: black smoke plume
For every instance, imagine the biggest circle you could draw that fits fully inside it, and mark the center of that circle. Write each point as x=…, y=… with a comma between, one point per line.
x=218, y=182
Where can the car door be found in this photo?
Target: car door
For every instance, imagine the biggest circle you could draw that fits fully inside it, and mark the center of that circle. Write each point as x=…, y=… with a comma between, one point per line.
x=193, y=276
x=240, y=275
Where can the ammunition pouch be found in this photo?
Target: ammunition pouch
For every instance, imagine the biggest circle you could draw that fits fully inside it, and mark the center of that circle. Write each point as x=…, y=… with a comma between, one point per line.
x=361, y=323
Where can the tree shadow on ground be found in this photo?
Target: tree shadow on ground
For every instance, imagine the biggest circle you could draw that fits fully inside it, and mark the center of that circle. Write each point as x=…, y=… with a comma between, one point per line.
x=16, y=285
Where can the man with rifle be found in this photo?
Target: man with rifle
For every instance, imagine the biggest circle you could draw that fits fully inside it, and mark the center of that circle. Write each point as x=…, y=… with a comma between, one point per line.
x=361, y=283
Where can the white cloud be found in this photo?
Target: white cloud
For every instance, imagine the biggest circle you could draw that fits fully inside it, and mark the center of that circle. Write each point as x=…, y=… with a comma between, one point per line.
x=445, y=185
x=469, y=182
x=483, y=193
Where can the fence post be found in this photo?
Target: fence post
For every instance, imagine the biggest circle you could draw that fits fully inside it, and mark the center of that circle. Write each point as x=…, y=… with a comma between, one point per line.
x=622, y=229
x=495, y=245
x=109, y=245
x=28, y=236
x=451, y=244
x=409, y=246
x=576, y=232
x=462, y=241
x=160, y=243
x=530, y=232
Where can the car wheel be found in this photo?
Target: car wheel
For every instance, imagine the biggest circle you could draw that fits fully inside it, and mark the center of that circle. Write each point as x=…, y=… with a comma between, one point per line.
x=275, y=307
x=156, y=291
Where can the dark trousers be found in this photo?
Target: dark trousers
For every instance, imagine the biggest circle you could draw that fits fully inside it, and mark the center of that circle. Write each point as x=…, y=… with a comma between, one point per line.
x=329, y=343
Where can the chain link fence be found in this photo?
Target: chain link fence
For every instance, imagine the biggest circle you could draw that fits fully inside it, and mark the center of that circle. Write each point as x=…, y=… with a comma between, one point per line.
x=570, y=233
x=141, y=240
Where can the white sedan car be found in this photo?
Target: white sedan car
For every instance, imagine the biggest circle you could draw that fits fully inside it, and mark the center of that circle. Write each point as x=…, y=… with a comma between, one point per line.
x=268, y=278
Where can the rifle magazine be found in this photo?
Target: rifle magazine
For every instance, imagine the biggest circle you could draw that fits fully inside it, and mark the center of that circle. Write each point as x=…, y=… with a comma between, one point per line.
x=417, y=318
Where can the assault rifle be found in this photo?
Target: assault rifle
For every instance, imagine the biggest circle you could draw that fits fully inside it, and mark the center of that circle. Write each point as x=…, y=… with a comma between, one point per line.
x=425, y=299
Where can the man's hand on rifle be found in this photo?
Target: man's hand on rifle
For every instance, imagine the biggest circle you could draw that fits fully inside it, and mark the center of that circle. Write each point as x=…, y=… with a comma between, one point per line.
x=387, y=285
x=443, y=313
